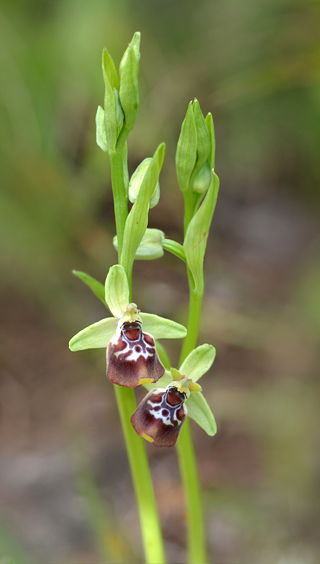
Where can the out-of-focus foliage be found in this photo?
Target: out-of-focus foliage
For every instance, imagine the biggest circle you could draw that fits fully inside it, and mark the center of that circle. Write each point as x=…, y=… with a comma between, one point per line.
x=256, y=67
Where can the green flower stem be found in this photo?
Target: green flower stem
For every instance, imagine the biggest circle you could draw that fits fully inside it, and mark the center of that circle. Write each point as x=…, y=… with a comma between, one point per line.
x=119, y=194
x=150, y=526
x=192, y=491
x=138, y=460
x=185, y=448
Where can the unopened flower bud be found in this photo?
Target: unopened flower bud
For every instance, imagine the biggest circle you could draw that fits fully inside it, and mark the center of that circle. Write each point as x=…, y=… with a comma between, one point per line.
x=136, y=181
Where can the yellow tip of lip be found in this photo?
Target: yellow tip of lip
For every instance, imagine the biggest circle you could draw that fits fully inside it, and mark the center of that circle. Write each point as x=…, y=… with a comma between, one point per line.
x=150, y=439
x=145, y=380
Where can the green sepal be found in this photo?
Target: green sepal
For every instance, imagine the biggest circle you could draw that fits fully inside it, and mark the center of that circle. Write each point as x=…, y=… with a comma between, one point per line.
x=137, y=220
x=197, y=235
x=162, y=328
x=117, y=290
x=198, y=362
x=136, y=181
x=150, y=247
x=129, y=91
x=186, y=154
x=210, y=126
x=200, y=412
x=96, y=336
x=174, y=248
x=203, y=142
x=101, y=137
x=95, y=286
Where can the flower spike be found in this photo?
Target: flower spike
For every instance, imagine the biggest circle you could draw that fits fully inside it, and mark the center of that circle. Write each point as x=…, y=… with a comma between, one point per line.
x=158, y=418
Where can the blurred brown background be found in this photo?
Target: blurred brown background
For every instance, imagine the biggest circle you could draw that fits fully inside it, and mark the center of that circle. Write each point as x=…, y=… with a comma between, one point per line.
x=65, y=489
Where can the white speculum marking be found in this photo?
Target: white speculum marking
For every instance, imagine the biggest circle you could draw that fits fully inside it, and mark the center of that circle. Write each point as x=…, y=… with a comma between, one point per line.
x=167, y=413
x=135, y=349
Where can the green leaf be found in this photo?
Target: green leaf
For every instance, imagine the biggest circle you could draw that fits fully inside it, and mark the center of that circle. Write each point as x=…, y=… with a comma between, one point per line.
x=163, y=355
x=129, y=90
x=137, y=220
x=117, y=290
x=186, y=154
x=101, y=137
x=95, y=336
x=96, y=287
x=162, y=328
x=200, y=412
x=210, y=126
x=197, y=234
x=198, y=362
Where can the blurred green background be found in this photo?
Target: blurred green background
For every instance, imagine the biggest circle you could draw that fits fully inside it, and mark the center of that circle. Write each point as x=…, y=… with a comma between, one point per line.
x=65, y=490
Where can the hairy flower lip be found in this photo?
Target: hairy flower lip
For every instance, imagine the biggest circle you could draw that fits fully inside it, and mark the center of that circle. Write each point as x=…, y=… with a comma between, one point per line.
x=159, y=416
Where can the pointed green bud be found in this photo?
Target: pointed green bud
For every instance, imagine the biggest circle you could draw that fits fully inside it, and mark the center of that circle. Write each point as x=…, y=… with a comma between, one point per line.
x=150, y=247
x=137, y=220
x=129, y=91
x=202, y=179
x=200, y=412
x=136, y=181
x=186, y=154
x=117, y=291
x=110, y=75
x=175, y=374
x=210, y=126
x=203, y=142
x=198, y=362
x=101, y=137
x=119, y=110
x=197, y=234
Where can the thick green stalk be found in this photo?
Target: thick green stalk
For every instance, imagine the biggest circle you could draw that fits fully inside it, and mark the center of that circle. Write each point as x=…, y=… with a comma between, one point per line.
x=138, y=460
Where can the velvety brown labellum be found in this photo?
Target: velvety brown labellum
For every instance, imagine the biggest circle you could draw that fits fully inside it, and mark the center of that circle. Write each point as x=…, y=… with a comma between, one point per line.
x=158, y=418
x=132, y=357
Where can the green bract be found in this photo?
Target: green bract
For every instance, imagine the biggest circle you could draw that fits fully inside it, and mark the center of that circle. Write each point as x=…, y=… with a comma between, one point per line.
x=150, y=246
x=197, y=363
x=129, y=92
x=98, y=335
x=186, y=154
x=137, y=220
x=136, y=181
x=197, y=234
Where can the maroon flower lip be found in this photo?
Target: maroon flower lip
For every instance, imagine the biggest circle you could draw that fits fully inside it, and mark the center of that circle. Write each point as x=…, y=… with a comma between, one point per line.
x=159, y=416
x=132, y=357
